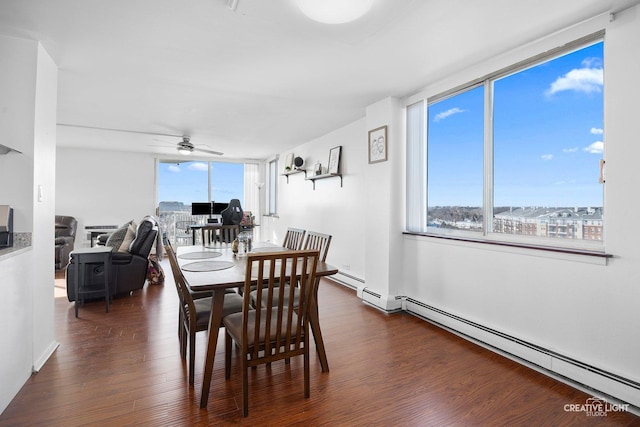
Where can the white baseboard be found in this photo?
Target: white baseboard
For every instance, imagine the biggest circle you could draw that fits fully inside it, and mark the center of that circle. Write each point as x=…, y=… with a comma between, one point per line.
x=347, y=280
x=39, y=363
x=384, y=302
x=590, y=379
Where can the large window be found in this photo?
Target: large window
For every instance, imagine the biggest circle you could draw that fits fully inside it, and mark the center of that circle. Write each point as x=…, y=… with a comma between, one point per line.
x=182, y=183
x=515, y=155
x=454, y=161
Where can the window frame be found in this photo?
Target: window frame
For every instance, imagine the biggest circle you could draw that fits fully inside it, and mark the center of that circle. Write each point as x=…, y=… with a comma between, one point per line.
x=272, y=192
x=417, y=201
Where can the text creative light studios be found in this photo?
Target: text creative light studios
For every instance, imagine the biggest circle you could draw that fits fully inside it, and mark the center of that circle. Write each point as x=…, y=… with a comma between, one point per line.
x=596, y=407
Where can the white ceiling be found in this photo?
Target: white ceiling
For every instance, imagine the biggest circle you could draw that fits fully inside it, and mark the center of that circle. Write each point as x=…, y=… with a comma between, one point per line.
x=260, y=80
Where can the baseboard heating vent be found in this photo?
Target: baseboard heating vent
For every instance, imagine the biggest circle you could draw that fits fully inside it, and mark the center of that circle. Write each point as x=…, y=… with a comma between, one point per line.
x=347, y=280
x=549, y=361
x=372, y=298
x=380, y=302
x=370, y=292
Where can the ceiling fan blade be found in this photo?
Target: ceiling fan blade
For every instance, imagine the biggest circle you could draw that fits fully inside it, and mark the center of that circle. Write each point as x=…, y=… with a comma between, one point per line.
x=118, y=130
x=217, y=153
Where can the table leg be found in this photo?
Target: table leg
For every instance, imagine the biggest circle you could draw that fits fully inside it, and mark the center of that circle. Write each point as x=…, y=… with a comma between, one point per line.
x=107, y=269
x=77, y=284
x=217, y=305
x=314, y=321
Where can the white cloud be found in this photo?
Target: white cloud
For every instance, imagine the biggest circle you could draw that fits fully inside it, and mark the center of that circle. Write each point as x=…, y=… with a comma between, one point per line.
x=595, y=148
x=198, y=166
x=592, y=62
x=571, y=181
x=587, y=79
x=547, y=157
x=596, y=131
x=449, y=112
x=174, y=168
x=570, y=150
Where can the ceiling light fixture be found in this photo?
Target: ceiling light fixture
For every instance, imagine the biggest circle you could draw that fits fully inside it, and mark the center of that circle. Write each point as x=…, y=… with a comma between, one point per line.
x=334, y=11
x=184, y=151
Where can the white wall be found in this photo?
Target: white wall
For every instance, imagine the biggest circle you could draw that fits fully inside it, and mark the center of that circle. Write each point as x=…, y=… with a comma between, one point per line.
x=577, y=306
x=571, y=305
x=104, y=187
x=330, y=209
x=28, y=83
x=384, y=188
x=18, y=62
x=43, y=202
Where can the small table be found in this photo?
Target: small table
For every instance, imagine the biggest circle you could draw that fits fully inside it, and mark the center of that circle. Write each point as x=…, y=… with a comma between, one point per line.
x=94, y=255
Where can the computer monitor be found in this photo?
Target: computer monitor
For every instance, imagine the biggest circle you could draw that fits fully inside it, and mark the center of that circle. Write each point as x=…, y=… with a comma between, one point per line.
x=201, y=208
x=219, y=207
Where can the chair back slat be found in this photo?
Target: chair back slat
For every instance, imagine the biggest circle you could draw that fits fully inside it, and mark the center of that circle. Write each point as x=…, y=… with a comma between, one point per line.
x=228, y=233
x=319, y=242
x=293, y=239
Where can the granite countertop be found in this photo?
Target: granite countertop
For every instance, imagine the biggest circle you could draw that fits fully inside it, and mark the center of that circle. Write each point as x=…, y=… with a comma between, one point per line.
x=14, y=250
x=21, y=243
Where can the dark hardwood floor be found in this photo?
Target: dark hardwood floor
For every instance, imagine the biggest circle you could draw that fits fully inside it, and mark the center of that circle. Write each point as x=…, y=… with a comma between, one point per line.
x=124, y=368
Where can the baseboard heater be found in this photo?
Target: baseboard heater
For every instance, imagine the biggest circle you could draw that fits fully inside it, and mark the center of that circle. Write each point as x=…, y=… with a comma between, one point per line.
x=545, y=360
x=346, y=280
x=376, y=300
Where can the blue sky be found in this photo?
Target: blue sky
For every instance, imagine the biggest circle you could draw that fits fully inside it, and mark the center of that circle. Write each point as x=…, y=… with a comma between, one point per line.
x=548, y=137
x=186, y=182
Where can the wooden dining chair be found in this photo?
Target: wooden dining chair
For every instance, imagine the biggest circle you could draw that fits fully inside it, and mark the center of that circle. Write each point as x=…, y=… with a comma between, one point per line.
x=272, y=331
x=319, y=242
x=293, y=238
x=314, y=241
x=228, y=233
x=195, y=310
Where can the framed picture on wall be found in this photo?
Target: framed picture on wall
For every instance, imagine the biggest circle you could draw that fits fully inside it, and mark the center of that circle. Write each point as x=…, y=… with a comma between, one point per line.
x=334, y=160
x=378, y=144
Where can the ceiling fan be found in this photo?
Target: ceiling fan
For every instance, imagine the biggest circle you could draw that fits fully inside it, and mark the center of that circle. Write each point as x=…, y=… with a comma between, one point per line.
x=186, y=147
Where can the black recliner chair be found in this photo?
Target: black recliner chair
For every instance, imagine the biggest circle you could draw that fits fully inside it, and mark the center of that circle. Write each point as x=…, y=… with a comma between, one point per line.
x=128, y=269
x=65, y=236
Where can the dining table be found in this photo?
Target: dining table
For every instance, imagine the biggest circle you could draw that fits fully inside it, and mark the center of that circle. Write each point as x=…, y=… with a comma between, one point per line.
x=217, y=268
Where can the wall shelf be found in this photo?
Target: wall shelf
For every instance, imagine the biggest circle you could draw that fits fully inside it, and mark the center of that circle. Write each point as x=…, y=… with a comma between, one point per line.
x=294, y=172
x=4, y=149
x=324, y=176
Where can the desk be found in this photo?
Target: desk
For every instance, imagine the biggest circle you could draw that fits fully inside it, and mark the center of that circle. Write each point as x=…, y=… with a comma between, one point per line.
x=218, y=281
